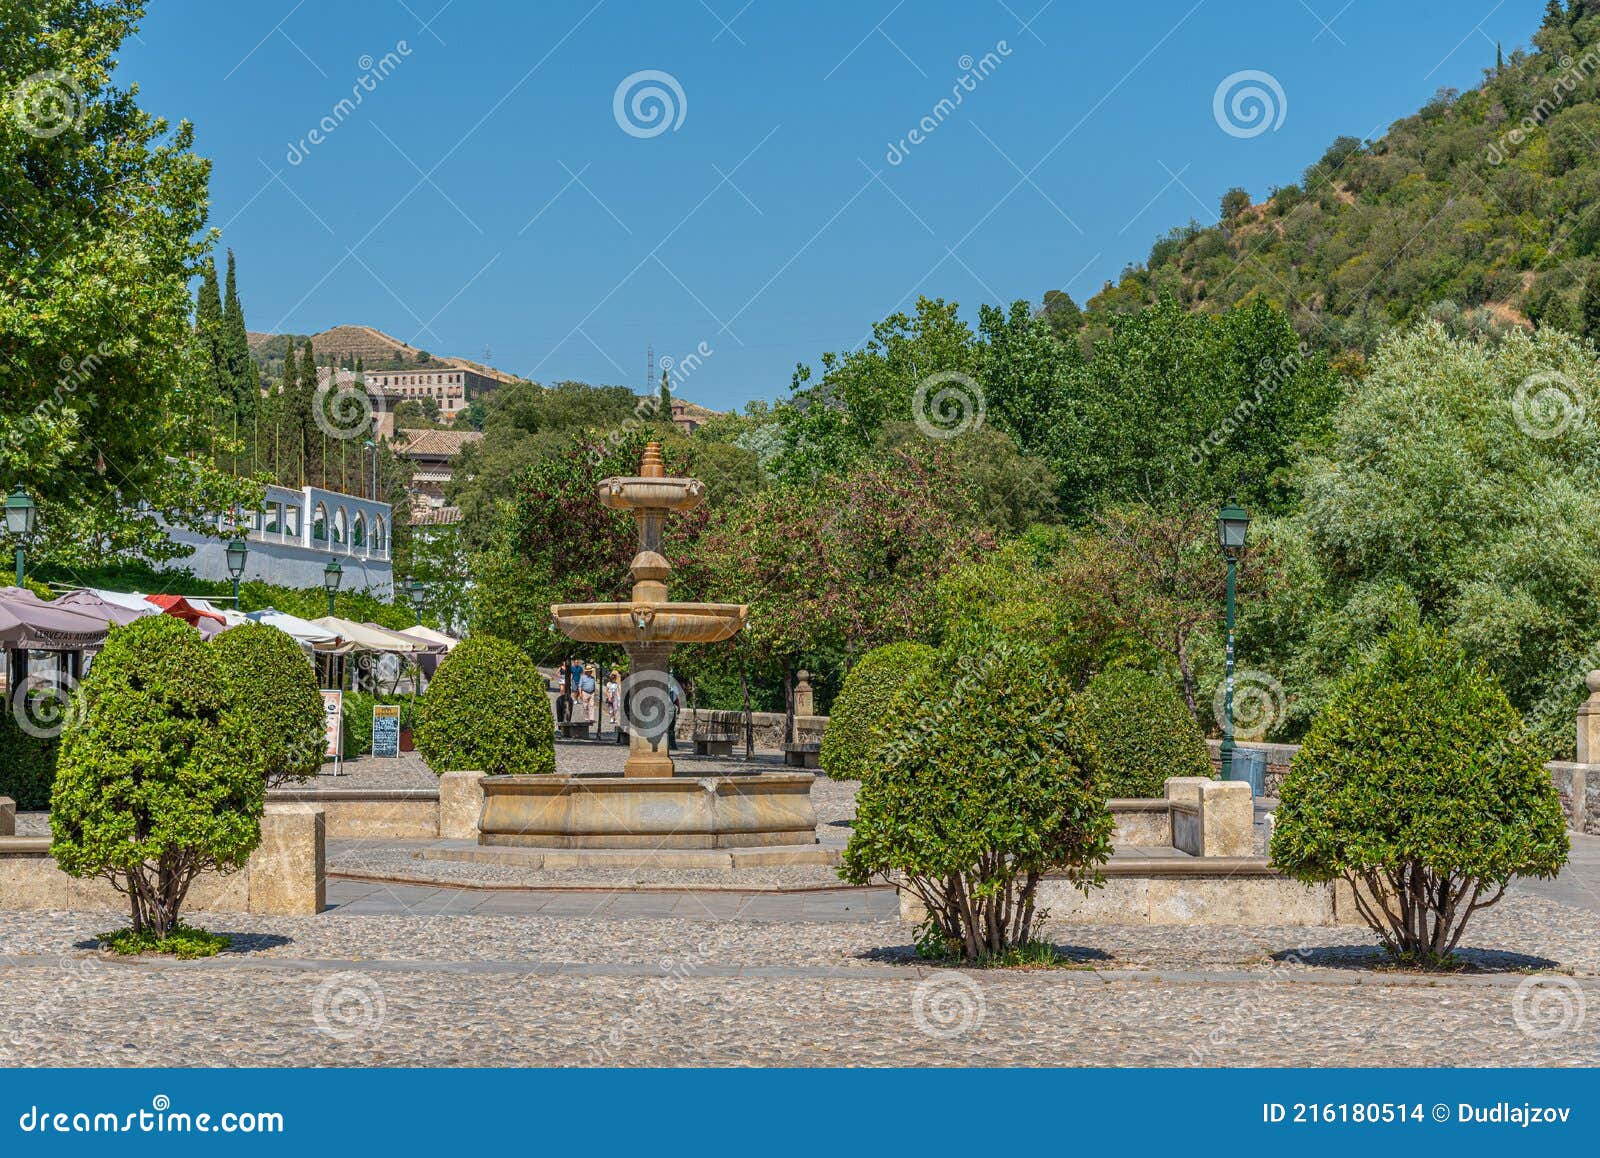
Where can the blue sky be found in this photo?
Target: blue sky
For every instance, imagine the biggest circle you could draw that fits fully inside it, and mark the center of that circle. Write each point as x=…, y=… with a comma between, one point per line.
x=484, y=193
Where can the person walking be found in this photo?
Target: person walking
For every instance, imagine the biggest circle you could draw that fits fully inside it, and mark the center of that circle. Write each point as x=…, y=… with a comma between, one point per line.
x=613, y=690
x=586, y=691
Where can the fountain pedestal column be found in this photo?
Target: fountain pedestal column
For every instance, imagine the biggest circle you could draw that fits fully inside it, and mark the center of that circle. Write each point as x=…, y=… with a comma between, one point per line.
x=648, y=710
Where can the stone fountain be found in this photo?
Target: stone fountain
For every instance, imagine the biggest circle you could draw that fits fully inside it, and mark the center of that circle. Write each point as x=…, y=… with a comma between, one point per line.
x=651, y=805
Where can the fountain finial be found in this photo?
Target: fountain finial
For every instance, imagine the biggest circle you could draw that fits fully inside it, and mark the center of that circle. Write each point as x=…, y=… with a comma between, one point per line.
x=650, y=466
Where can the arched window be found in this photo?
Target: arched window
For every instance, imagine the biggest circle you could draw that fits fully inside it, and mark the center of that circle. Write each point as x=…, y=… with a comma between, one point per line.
x=358, y=531
x=341, y=527
x=319, y=523
x=380, y=535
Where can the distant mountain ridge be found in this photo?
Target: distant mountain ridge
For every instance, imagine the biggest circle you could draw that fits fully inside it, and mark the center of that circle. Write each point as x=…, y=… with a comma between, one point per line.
x=376, y=349
x=1488, y=199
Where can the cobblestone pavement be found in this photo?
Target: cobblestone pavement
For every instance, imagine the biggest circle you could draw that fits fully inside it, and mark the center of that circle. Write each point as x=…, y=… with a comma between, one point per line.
x=776, y=980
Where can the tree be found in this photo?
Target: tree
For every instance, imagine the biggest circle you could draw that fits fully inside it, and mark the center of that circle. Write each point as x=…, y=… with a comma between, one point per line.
x=161, y=775
x=982, y=786
x=102, y=231
x=1589, y=307
x=245, y=383
x=312, y=442
x=665, y=397
x=1462, y=480
x=1419, y=788
x=850, y=743
x=1143, y=732
x=265, y=669
x=1061, y=314
x=486, y=711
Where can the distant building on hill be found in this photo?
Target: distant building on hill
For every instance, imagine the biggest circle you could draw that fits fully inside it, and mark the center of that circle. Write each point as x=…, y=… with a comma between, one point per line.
x=689, y=417
x=430, y=453
x=452, y=387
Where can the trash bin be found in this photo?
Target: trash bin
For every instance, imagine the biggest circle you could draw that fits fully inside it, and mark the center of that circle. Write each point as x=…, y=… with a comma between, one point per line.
x=1250, y=765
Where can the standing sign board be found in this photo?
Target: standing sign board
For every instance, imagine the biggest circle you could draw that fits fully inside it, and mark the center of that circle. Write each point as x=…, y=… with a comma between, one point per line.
x=333, y=726
x=386, y=730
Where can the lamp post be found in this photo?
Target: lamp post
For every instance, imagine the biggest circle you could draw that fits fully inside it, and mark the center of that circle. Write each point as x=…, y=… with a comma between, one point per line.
x=20, y=514
x=237, y=552
x=331, y=574
x=369, y=444
x=1233, y=524
x=417, y=592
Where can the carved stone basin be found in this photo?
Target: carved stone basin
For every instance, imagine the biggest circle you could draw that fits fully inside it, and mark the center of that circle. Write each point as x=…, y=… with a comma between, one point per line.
x=638, y=493
x=649, y=623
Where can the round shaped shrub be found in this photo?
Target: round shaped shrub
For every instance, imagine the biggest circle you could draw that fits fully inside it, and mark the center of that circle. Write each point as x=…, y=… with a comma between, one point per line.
x=486, y=711
x=356, y=729
x=267, y=671
x=1418, y=785
x=1143, y=731
x=982, y=786
x=863, y=702
x=161, y=774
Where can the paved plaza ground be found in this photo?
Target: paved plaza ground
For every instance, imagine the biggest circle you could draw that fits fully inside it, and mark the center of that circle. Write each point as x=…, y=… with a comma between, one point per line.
x=403, y=974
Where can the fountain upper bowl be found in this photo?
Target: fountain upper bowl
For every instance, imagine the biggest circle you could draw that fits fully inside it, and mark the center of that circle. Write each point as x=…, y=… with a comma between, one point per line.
x=665, y=494
x=649, y=622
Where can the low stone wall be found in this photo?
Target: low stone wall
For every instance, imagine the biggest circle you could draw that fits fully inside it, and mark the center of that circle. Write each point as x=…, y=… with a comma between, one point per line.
x=768, y=726
x=370, y=813
x=1579, y=787
x=286, y=875
x=1198, y=816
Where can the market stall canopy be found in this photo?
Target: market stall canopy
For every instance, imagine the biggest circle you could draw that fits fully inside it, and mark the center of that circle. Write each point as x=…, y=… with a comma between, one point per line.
x=115, y=606
x=366, y=638
x=303, y=631
x=431, y=637
x=26, y=621
x=227, y=616
x=179, y=606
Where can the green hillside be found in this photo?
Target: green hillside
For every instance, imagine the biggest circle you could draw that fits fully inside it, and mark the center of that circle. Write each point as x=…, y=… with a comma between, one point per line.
x=1484, y=199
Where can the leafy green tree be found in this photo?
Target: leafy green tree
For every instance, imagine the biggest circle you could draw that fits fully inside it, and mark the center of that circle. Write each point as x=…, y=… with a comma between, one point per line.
x=486, y=711
x=266, y=670
x=850, y=743
x=982, y=786
x=161, y=775
x=245, y=383
x=1143, y=731
x=1590, y=307
x=1419, y=788
x=1062, y=314
x=1234, y=202
x=102, y=231
x=1462, y=480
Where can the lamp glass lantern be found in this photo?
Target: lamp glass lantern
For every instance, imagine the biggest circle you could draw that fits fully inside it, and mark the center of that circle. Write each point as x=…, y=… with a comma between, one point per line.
x=20, y=514
x=1233, y=525
x=331, y=575
x=238, y=550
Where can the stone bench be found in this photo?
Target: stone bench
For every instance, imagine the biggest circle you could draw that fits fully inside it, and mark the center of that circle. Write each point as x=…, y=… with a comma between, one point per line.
x=574, y=729
x=802, y=755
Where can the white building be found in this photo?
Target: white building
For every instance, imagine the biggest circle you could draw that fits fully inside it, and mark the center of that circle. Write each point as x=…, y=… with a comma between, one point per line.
x=296, y=533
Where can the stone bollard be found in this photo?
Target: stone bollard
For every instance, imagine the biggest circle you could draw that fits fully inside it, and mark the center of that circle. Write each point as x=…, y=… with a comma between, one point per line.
x=1227, y=818
x=288, y=872
x=8, y=816
x=460, y=805
x=805, y=703
x=1589, y=722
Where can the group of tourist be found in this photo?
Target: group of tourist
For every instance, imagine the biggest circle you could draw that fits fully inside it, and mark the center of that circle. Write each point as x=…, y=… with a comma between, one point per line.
x=580, y=691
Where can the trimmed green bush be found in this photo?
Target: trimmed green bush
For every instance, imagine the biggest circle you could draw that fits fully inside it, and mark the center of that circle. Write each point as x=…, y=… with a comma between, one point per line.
x=1418, y=785
x=981, y=787
x=1144, y=732
x=27, y=764
x=357, y=729
x=863, y=702
x=486, y=711
x=161, y=775
x=267, y=672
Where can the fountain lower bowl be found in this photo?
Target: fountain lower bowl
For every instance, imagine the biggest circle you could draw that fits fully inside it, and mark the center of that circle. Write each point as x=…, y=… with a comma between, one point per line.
x=663, y=622
x=741, y=810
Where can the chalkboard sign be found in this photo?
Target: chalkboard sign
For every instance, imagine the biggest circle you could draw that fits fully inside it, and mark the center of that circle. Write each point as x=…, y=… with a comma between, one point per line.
x=386, y=730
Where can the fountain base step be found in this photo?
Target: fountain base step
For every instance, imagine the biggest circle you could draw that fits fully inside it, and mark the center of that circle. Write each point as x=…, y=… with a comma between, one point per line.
x=648, y=812
x=641, y=859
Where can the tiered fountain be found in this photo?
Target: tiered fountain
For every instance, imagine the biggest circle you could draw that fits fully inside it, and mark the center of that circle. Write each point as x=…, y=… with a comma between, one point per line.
x=650, y=805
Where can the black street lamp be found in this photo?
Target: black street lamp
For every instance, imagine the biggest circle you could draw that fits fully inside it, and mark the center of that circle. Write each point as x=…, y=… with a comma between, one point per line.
x=20, y=514
x=417, y=592
x=1233, y=525
x=238, y=550
x=331, y=575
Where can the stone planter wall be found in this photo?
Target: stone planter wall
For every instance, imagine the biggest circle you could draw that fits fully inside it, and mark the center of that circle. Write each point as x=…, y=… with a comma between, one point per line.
x=768, y=727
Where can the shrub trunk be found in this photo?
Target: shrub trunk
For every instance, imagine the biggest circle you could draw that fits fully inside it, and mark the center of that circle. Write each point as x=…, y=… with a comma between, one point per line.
x=980, y=914
x=1419, y=914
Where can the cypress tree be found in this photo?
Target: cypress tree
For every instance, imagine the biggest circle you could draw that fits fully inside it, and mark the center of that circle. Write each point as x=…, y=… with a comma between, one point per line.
x=208, y=328
x=242, y=376
x=286, y=422
x=666, y=398
x=306, y=408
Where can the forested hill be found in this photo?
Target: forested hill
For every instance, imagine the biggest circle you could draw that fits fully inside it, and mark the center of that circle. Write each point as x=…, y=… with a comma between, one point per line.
x=1488, y=199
